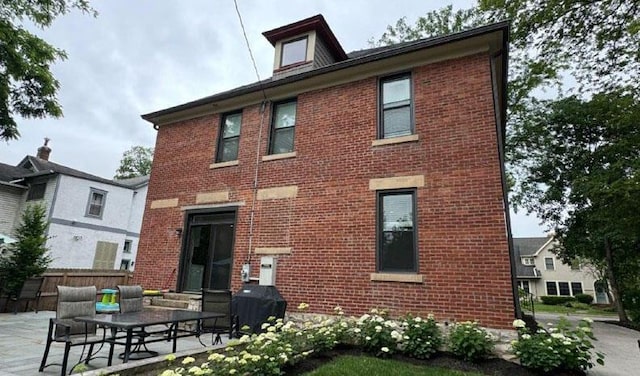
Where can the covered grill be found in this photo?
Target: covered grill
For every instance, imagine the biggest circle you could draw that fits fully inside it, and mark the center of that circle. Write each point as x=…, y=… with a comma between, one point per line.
x=254, y=304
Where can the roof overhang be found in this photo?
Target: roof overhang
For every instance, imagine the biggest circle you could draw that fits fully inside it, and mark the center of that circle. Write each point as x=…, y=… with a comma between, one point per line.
x=492, y=39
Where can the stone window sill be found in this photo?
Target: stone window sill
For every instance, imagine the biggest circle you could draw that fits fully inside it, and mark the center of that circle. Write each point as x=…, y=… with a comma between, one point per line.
x=395, y=140
x=224, y=164
x=397, y=277
x=273, y=157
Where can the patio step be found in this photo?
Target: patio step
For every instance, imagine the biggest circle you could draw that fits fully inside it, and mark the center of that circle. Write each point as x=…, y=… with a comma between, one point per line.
x=180, y=296
x=171, y=303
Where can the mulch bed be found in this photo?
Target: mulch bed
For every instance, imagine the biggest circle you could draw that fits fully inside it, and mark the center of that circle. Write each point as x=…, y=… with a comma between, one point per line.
x=494, y=367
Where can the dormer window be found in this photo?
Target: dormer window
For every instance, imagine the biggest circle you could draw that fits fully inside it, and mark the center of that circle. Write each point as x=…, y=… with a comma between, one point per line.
x=294, y=52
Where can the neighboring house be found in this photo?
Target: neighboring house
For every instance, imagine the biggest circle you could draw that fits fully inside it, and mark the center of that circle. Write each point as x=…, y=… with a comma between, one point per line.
x=93, y=222
x=540, y=272
x=375, y=178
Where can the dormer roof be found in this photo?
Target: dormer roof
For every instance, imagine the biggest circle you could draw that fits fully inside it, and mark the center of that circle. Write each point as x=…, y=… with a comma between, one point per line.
x=316, y=23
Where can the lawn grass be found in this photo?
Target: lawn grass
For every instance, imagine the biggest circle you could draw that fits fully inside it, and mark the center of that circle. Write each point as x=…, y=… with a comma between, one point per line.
x=592, y=310
x=364, y=365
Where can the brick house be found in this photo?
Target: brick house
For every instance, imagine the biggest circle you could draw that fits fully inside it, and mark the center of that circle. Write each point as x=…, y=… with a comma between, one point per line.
x=375, y=178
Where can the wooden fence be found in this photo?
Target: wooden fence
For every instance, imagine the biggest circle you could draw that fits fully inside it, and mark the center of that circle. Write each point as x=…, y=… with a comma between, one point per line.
x=101, y=279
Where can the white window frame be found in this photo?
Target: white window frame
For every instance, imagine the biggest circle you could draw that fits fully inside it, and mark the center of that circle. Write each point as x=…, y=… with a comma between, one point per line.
x=89, y=203
x=553, y=263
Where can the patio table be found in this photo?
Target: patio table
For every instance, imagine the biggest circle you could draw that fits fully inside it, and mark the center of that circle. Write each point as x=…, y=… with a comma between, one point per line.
x=131, y=321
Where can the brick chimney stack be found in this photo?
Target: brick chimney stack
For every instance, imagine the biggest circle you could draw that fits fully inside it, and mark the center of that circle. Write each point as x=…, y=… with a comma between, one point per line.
x=44, y=150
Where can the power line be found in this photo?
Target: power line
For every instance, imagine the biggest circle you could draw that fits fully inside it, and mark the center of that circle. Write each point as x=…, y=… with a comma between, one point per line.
x=255, y=67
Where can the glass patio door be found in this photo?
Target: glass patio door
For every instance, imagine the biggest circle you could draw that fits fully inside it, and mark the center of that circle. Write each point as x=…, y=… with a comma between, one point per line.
x=208, y=257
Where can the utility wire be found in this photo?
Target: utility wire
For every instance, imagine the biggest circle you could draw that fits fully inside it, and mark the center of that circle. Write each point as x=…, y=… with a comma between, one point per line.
x=255, y=67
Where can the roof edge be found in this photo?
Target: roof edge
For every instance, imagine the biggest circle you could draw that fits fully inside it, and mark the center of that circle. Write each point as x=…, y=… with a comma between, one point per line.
x=502, y=26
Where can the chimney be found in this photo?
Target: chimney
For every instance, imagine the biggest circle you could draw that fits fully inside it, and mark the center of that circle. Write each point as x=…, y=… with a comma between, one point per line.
x=44, y=150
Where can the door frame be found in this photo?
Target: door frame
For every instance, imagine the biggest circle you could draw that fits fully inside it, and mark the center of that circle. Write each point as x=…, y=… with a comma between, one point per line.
x=184, y=247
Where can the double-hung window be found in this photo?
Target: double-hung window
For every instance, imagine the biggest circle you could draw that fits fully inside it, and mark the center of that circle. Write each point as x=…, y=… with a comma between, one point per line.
x=552, y=288
x=549, y=264
x=397, y=240
x=396, y=114
x=229, y=138
x=283, y=124
x=95, y=206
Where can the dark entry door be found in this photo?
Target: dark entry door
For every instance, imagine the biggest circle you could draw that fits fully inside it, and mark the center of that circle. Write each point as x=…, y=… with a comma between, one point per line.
x=208, y=255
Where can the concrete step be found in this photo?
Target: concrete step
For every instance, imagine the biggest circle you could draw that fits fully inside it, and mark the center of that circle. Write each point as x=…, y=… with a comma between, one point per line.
x=180, y=296
x=181, y=304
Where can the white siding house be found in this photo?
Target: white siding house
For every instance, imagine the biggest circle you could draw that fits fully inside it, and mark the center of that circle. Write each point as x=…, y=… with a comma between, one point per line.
x=93, y=222
x=540, y=272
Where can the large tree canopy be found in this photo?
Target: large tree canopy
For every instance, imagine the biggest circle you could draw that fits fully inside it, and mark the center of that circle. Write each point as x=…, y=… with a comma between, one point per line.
x=27, y=87
x=135, y=162
x=579, y=169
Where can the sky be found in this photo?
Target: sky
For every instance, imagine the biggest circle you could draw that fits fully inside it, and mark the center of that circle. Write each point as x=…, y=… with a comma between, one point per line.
x=140, y=56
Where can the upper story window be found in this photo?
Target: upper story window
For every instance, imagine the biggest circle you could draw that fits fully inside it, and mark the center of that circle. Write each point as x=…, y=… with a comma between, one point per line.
x=283, y=125
x=548, y=263
x=293, y=52
x=229, y=138
x=95, y=206
x=397, y=241
x=36, y=191
x=527, y=261
x=396, y=118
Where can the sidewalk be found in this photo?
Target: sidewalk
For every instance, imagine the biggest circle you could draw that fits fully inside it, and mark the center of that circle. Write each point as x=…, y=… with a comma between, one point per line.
x=620, y=345
x=23, y=338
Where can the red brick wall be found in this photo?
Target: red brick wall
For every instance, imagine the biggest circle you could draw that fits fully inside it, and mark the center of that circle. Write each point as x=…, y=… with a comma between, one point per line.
x=331, y=225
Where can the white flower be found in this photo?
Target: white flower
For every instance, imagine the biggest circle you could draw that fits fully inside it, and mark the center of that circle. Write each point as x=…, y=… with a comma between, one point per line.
x=418, y=319
x=303, y=306
x=356, y=330
x=385, y=349
x=367, y=338
x=378, y=328
x=587, y=320
x=265, y=325
x=232, y=371
x=585, y=329
x=526, y=336
x=188, y=360
x=519, y=323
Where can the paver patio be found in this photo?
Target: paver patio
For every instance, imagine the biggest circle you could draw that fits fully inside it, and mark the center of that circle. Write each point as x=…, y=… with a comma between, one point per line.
x=23, y=337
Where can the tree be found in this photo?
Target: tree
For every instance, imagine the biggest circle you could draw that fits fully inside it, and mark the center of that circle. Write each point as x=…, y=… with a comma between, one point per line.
x=28, y=255
x=578, y=164
x=135, y=162
x=439, y=22
x=27, y=86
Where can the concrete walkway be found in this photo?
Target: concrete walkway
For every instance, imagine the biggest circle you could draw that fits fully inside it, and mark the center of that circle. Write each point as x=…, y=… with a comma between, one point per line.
x=620, y=345
x=23, y=338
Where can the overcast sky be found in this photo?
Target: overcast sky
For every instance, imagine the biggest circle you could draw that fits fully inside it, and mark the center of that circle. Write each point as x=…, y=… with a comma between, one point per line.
x=145, y=55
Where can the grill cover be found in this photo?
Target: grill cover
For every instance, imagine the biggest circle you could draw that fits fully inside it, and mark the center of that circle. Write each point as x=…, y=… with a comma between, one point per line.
x=253, y=304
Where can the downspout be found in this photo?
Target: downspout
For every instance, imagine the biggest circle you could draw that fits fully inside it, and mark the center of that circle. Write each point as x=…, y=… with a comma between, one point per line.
x=500, y=113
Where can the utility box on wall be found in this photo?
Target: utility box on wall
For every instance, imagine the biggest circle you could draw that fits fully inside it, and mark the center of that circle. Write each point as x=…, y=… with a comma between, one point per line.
x=267, y=271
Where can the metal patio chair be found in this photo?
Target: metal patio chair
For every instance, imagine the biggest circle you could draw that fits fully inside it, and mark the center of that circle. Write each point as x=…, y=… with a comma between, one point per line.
x=30, y=291
x=131, y=300
x=217, y=301
x=73, y=302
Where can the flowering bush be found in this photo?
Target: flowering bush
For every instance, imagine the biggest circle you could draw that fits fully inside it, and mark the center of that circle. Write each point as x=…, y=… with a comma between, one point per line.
x=470, y=342
x=421, y=338
x=558, y=348
x=377, y=335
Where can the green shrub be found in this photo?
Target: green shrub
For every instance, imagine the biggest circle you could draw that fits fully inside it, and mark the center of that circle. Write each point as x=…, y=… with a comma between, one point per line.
x=470, y=342
x=556, y=300
x=377, y=335
x=631, y=300
x=560, y=348
x=421, y=338
x=584, y=298
x=578, y=305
